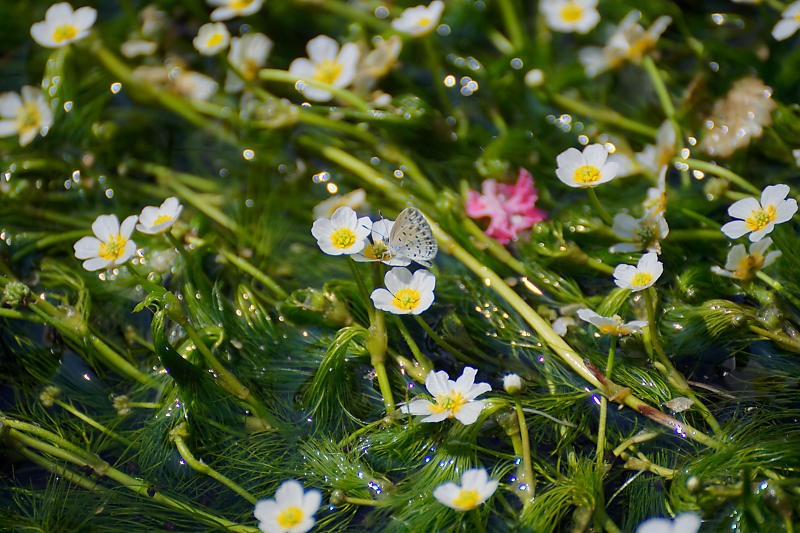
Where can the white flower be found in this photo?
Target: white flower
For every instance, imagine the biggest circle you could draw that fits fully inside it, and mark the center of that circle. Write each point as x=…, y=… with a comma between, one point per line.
x=379, y=249
x=248, y=54
x=453, y=398
x=153, y=20
x=353, y=199
x=419, y=20
x=62, y=25
x=291, y=511
x=587, y=169
x=405, y=293
x=611, y=325
x=162, y=260
x=512, y=383
x=343, y=233
x=641, y=276
x=377, y=62
x=191, y=84
x=654, y=157
x=629, y=42
x=760, y=218
x=789, y=23
x=212, y=37
x=742, y=265
x=232, y=8
x=326, y=64
x=644, y=233
x=138, y=47
x=570, y=15
x=656, y=201
x=683, y=523
x=155, y=220
x=25, y=114
x=561, y=324
x=111, y=246
x=475, y=488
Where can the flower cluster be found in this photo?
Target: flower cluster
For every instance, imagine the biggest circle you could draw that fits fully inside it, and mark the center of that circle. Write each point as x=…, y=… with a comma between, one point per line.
x=112, y=244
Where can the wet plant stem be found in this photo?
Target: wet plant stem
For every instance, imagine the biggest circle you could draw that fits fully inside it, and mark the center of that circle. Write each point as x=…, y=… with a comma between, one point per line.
x=92, y=422
x=423, y=360
x=435, y=337
x=722, y=172
x=696, y=235
x=69, y=475
x=601, y=114
x=511, y=21
x=599, y=207
x=360, y=501
x=776, y=285
x=362, y=288
x=601, y=430
x=269, y=74
x=787, y=341
x=525, y=444
x=248, y=268
x=203, y=468
x=673, y=376
x=377, y=343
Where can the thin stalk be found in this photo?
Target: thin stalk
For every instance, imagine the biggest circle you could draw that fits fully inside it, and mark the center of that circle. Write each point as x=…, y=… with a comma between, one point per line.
x=696, y=235
x=361, y=501
x=775, y=284
x=322, y=121
x=19, y=315
x=511, y=21
x=423, y=360
x=362, y=288
x=203, y=468
x=392, y=153
x=475, y=516
x=777, y=337
x=437, y=73
x=599, y=207
x=247, y=267
x=58, y=470
x=606, y=521
x=350, y=13
x=601, y=430
x=661, y=88
x=378, y=329
x=722, y=172
x=92, y=422
x=525, y=444
x=269, y=74
x=600, y=114
x=458, y=354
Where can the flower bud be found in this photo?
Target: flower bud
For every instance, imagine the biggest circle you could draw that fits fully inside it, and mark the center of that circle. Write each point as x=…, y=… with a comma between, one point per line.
x=49, y=395
x=15, y=292
x=512, y=383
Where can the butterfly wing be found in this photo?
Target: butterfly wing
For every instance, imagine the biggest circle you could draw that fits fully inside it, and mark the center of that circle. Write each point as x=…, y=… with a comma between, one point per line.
x=411, y=237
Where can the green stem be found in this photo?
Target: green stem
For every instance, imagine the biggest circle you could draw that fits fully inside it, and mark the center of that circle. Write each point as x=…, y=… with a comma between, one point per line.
x=97, y=425
x=362, y=288
x=601, y=430
x=437, y=73
x=361, y=501
x=525, y=443
x=679, y=235
x=777, y=337
x=600, y=114
x=438, y=339
x=69, y=475
x=599, y=207
x=475, y=516
x=322, y=121
x=19, y=315
x=48, y=241
x=422, y=360
x=606, y=521
x=350, y=13
x=722, y=172
x=247, y=267
x=383, y=377
x=349, y=97
x=660, y=87
x=203, y=468
x=511, y=21
x=775, y=284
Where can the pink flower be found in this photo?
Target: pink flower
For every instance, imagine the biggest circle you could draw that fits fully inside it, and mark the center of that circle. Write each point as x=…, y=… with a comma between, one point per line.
x=510, y=208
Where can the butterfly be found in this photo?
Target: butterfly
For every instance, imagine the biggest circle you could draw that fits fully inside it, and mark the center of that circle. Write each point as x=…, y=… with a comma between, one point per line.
x=411, y=237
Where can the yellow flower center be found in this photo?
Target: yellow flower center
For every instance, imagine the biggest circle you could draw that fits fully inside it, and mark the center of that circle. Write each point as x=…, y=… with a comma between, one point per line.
x=65, y=32
x=746, y=266
x=466, y=500
x=641, y=279
x=406, y=299
x=343, y=238
x=290, y=517
x=215, y=40
x=571, y=12
x=587, y=174
x=608, y=329
x=328, y=71
x=160, y=219
x=423, y=22
x=449, y=402
x=239, y=4
x=113, y=248
x=759, y=218
x=28, y=117
x=377, y=252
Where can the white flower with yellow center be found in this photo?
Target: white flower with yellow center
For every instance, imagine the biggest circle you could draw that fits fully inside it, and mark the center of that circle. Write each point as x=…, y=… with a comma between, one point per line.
x=644, y=233
x=25, y=114
x=379, y=249
x=212, y=38
x=570, y=15
x=419, y=20
x=62, y=25
x=589, y=168
x=291, y=511
x=325, y=64
x=789, y=23
x=451, y=399
x=353, y=199
x=611, y=325
x=111, y=246
x=655, y=156
x=639, y=277
x=656, y=201
x=405, y=294
x=475, y=488
x=342, y=234
x=234, y=8
x=759, y=218
x=247, y=54
x=155, y=220
x=742, y=265
x=683, y=523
